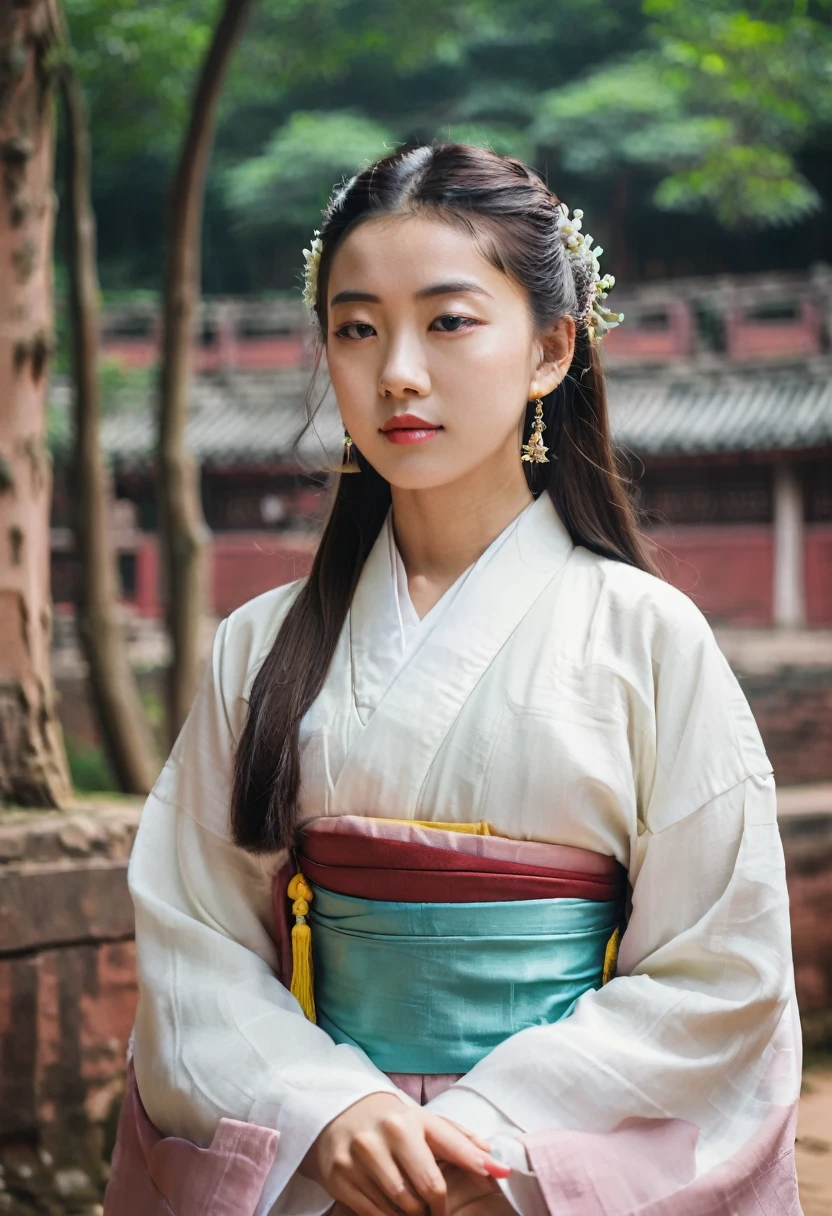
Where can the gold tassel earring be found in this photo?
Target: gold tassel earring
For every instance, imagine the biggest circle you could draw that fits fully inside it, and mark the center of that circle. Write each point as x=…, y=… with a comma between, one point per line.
x=349, y=462
x=535, y=450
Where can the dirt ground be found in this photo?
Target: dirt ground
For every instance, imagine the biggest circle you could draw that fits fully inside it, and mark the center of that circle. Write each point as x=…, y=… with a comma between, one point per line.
x=814, y=1141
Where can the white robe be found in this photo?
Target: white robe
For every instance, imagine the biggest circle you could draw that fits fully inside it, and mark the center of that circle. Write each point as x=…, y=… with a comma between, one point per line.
x=564, y=698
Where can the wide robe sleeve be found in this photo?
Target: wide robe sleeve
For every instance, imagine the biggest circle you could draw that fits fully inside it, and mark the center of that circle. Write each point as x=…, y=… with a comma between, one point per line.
x=216, y=1034
x=671, y=1091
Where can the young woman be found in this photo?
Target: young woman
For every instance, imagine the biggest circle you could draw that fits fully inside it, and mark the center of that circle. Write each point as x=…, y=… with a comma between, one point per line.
x=480, y=739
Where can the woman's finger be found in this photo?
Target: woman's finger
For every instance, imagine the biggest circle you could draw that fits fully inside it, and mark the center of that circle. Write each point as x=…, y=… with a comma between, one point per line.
x=472, y=1136
x=374, y=1155
x=413, y=1156
x=364, y=1198
x=449, y=1143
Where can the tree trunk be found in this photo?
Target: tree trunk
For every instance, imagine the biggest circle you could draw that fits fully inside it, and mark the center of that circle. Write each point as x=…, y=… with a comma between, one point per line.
x=183, y=529
x=118, y=706
x=33, y=768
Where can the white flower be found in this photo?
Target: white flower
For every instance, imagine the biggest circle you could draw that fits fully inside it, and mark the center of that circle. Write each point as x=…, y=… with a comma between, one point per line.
x=312, y=257
x=578, y=248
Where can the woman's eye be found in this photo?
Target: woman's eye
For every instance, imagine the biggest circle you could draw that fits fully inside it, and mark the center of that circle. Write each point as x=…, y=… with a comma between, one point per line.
x=362, y=326
x=453, y=323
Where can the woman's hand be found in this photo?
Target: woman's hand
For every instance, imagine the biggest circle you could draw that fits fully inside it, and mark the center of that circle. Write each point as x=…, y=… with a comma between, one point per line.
x=467, y=1195
x=379, y=1158
x=472, y=1195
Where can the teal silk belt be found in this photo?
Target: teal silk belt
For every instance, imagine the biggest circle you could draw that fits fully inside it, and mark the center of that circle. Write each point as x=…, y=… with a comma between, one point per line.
x=434, y=987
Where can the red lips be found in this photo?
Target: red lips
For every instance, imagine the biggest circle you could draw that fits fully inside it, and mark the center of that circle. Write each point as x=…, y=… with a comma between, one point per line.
x=404, y=429
x=400, y=422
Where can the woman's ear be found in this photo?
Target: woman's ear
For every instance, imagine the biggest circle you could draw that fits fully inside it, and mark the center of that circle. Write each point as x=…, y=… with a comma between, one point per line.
x=555, y=351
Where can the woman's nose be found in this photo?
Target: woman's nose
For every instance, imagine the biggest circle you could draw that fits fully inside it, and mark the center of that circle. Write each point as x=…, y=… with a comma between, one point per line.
x=404, y=373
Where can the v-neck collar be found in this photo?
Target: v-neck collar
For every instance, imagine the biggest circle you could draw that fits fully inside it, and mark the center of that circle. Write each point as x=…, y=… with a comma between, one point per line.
x=382, y=601
x=418, y=707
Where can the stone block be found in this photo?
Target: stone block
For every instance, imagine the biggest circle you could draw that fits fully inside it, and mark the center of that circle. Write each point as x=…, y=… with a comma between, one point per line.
x=43, y=905
x=65, y=1019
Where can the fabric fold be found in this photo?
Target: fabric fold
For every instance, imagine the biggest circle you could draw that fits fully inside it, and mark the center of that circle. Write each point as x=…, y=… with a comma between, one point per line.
x=647, y=1167
x=156, y=1175
x=425, y=957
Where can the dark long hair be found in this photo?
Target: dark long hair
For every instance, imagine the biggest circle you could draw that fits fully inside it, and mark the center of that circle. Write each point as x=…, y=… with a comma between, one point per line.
x=512, y=215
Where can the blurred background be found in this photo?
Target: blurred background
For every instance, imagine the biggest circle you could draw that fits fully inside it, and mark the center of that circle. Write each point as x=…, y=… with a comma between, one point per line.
x=161, y=168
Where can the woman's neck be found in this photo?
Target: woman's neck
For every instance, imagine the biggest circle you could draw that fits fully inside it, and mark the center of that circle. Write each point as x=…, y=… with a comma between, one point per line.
x=440, y=532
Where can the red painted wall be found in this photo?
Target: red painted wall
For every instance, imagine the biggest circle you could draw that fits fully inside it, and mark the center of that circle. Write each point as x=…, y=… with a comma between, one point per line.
x=241, y=566
x=249, y=354
x=819, y=574
x=246, y=564
x=726, y=569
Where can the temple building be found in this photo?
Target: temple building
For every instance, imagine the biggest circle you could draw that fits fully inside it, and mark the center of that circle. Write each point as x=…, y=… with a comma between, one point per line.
x=721, y=405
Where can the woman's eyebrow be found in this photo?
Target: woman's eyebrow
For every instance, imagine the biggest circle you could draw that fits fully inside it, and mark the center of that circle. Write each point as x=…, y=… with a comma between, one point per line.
x=453, y=287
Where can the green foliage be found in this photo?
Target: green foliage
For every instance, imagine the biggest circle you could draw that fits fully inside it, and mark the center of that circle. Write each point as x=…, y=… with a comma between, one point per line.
x=742, y=183
x=292, y=178
x=88, y=768
x=291, y=181
x=58, y=429
x=722, y=111
x=123, y=388
x=708, y=105
x=137, y=61
x=593, y=120
x=503, y=138
x=768, y=78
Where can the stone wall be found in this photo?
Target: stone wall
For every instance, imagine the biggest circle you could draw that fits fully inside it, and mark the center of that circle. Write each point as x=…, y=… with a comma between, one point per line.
x=67, y=1002
x=793, y=708
x=806, y=830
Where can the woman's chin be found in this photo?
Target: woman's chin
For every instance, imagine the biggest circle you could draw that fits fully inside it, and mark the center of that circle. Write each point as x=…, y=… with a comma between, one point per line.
x=413, y=466
x=422, y=474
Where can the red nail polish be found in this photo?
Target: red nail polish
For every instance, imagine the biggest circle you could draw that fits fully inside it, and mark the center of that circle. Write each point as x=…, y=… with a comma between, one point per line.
x=496, y=1169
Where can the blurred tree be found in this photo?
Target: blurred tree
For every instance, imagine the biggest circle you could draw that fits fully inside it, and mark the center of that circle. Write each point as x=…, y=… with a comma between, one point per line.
x=113, y=685
x=636, y=107
x=294, y=174
x=721, y=98
x=184, y=533
x=653, y=108
x=477, y=84
x=33, y=766
x=136, y=61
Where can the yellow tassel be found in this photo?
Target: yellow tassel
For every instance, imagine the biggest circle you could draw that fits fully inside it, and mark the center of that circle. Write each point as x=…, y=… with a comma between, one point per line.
x=611, y=956
x=302, y=986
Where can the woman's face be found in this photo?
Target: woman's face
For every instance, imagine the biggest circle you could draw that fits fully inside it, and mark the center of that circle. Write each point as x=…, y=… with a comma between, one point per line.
x=432, y=352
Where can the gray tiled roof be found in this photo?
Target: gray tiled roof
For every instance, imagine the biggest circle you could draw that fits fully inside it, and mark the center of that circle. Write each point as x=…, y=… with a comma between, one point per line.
x=251, y=417
x=238, y=419
x=756, y=409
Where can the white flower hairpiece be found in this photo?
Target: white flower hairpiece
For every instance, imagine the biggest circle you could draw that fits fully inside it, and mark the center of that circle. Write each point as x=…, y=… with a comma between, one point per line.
x=312, y=258
x=579, y=250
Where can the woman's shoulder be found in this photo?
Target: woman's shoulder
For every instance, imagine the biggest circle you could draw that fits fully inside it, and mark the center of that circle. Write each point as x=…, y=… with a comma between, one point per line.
x=247, y=635
x=656, y=638
x=643, y=607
